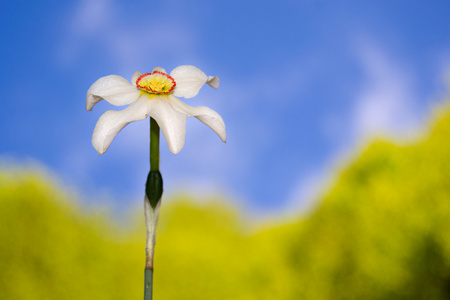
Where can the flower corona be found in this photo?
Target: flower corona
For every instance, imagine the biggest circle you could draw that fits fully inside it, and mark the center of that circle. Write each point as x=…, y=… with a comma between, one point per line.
x=156, y=82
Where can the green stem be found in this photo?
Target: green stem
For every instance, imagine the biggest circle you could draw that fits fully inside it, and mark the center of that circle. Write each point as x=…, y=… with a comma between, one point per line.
x=153, y=185
x=148, y=289
x=154, y=145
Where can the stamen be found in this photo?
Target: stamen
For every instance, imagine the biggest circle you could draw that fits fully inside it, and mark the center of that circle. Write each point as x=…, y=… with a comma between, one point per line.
x=156, y=82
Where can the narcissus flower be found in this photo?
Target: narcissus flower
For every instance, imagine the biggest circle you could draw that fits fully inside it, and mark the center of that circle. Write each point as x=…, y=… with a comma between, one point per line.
x=155, y=95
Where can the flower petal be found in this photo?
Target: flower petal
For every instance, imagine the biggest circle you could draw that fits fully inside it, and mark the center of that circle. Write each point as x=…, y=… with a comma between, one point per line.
x=135, y=77
x=114, y=89
x=111, y=122
x=189, y=80
x=213, y=81
x=172, y=122
x=159, y=69
x=205, y=114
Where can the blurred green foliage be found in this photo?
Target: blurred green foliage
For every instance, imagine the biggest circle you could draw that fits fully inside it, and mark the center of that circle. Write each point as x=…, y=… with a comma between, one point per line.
x=382, y=231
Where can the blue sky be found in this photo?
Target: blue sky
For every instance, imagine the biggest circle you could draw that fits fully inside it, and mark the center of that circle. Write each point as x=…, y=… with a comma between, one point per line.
x=303, y=85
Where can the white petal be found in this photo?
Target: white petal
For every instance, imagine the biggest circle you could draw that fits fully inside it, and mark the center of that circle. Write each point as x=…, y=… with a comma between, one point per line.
x=213, y=81
x=111, y=122
x=114, y=89
x=189, y=80
x=172, y=122
x=135, y=77
x=159, y=69
x=205, y=114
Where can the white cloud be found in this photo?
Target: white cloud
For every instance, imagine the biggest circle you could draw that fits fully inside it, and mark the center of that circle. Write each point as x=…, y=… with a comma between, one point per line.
x=384, y=105
x=91, y=17
x=386, y=102
x=125, y=39
x=307, y=191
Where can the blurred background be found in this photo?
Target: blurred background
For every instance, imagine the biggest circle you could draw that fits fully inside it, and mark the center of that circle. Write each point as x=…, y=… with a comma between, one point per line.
x=333, y=183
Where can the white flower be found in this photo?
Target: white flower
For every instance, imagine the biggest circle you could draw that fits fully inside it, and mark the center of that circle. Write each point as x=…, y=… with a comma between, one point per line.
x=155, y=95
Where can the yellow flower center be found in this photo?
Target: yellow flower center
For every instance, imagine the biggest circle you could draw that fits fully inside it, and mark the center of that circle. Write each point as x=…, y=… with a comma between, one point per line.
x=156, y=83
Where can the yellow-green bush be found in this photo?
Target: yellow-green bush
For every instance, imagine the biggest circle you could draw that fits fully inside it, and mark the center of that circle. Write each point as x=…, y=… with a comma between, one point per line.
x=381, y=232
x=51, y=249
